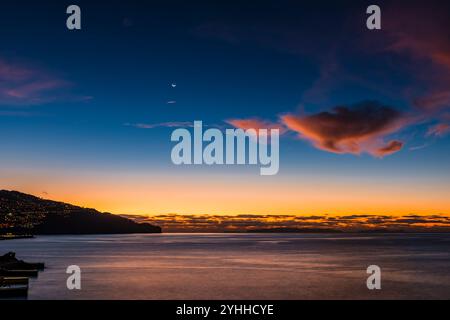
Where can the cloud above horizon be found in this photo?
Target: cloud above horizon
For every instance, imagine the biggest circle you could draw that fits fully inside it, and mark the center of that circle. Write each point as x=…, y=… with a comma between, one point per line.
x=421, y=43
x=257, y=124
x=424, y=41
x=357, y=129
x=22, y=85
x=243, y=223
x=171, y=124
x=438, y=130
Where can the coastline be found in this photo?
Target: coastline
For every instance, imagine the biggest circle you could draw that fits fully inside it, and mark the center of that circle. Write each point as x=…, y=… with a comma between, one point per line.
x=15, y=236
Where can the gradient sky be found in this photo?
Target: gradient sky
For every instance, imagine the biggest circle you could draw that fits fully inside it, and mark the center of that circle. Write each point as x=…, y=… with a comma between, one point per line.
x=86, y=116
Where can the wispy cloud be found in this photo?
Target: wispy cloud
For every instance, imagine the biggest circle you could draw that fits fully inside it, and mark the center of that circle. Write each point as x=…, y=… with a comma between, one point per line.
x=172, y=124
x=17, y=113
x=434, y=101
x=25, y=85
x=257, y=124
x=419, y=147
x=438, y=130
x=426, y=43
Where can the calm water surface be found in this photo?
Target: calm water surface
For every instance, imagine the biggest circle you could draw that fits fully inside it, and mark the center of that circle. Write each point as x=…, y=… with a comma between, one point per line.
x=239, y=266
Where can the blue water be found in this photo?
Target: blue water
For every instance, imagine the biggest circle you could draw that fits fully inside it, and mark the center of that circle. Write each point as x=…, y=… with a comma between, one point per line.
x=239, y=266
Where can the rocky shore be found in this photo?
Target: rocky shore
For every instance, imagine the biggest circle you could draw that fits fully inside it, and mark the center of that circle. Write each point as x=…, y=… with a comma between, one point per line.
x=15, y=274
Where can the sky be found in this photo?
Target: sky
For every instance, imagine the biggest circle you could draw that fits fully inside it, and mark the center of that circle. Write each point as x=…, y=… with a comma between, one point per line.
x=86, y=115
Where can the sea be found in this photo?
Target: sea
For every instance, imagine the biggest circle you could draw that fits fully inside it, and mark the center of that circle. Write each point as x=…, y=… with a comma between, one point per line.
x=238, y=266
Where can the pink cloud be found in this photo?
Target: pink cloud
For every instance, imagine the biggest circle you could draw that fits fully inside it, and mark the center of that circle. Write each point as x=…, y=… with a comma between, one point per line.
x=419, y=31
x=24, y=85
x=255, y=123
x=434, y=101
x=172, y=124
x=13, y=72
x=438, y=130
x=390, y=148
x=356, y=130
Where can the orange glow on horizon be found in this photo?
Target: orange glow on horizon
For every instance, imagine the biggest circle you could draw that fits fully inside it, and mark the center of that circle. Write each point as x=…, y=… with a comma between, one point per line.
x=153, y=195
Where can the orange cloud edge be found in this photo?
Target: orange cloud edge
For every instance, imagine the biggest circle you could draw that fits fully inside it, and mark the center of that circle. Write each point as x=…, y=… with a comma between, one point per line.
x=313, y=223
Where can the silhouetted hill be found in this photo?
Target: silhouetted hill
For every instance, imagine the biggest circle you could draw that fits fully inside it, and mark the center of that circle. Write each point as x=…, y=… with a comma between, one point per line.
x=24, y=213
